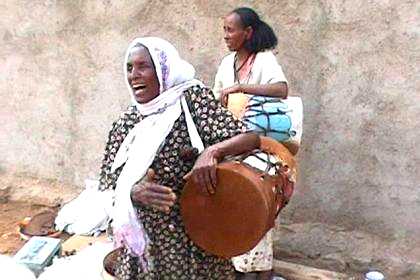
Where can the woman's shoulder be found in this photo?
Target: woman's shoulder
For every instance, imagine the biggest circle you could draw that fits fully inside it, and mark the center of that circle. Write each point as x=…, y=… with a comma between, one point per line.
x=267, y=61
x=130, y=114
x=195, y=91
x=228, y=60
x=266, y=55
x=127, y=119
x=200, y=96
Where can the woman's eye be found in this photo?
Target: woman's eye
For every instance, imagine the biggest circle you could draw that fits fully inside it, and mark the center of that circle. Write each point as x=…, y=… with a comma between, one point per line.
x=129, y=67
x=145, y=66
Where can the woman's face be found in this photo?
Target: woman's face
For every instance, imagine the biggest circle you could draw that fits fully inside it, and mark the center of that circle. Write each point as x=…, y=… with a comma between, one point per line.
x=141, y=75
x=235, y=35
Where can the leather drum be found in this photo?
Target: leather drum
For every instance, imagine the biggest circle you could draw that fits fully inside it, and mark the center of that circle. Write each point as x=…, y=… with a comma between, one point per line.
x=245, y=205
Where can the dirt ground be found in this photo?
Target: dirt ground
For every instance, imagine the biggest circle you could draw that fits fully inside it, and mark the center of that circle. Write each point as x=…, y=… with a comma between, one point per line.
x=11, y=213
x=25, y=196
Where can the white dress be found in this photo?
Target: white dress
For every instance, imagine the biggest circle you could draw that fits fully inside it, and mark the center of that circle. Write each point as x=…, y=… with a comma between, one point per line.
x=265, y=70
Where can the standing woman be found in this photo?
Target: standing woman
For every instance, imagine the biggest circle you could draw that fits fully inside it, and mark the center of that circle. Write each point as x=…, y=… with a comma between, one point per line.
x=250, y=70
x=153, y=147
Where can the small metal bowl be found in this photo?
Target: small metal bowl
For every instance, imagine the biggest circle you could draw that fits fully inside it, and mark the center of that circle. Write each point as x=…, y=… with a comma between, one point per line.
x=109, y=263
x=44, y=225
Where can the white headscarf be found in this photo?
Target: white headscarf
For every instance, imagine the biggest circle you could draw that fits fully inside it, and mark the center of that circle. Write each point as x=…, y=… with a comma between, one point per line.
x=142, y=143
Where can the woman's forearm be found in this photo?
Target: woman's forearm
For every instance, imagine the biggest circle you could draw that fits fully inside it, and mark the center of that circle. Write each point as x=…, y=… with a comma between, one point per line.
x=278, y=90
x=236, y=145
x=203, y=173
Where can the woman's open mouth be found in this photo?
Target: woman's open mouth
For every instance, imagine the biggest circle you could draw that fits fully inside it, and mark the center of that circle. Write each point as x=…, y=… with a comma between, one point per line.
x=138, y=88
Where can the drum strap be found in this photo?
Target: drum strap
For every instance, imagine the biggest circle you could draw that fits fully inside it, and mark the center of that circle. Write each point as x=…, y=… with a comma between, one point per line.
x=285, y=191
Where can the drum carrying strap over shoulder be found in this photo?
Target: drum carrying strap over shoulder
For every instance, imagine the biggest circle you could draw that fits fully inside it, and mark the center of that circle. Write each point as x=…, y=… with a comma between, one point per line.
x=196, y=141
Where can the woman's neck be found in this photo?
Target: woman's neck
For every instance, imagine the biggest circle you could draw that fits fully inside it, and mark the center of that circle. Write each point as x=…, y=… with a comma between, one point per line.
x=242, y=55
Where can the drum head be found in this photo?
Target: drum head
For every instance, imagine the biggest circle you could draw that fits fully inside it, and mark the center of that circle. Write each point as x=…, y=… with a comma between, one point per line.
x=233, y=220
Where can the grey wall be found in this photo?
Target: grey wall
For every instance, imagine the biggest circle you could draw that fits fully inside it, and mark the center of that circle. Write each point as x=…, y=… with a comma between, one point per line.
x=355, y=63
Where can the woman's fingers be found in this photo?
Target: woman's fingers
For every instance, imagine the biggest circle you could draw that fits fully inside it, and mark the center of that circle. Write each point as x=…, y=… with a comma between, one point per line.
x=170, y=198
x=158, y=188
x=203, y=173
x=150, y=175
x=159, y=202
x=225, y=93
x=205, y=179
x=158, y=195
x=197, y=177
x=198, y=180
x=223, y=98
x=213, y=177
x=154, y=195
x=187, y=176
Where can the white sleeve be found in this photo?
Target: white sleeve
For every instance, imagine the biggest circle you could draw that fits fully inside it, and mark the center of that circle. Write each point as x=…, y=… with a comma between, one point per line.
x=218, y=84
x=271, y=70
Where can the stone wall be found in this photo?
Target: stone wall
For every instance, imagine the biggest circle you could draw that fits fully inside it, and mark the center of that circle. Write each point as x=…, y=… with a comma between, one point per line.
x=355, y=64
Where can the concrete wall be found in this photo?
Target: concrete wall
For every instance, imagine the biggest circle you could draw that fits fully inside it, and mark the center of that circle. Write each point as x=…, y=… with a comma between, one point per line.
x=355, y=63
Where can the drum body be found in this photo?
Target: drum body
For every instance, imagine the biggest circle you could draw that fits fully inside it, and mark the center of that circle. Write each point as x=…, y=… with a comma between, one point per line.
x=244, y=207
x=237, y=103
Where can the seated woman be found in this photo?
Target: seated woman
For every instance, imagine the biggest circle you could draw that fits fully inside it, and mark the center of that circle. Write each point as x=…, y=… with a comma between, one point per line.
x=175, y=128
x=251, y=73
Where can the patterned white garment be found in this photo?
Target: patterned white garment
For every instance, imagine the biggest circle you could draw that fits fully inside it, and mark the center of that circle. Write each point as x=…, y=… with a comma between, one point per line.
x=258, y=259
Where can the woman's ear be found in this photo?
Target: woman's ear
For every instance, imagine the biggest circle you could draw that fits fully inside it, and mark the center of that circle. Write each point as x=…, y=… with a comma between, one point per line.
x=249, y=31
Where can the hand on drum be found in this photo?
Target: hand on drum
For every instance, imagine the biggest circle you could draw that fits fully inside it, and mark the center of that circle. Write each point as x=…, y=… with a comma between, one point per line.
x=225, y=93
x=151, y=194
x=203, y=173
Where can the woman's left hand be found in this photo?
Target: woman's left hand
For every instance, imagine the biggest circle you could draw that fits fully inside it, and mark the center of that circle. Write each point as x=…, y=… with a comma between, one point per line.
x=225, y=93
x=203, y=173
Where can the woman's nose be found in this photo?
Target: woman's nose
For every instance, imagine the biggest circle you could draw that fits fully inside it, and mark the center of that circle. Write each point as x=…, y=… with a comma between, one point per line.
x=134, y=73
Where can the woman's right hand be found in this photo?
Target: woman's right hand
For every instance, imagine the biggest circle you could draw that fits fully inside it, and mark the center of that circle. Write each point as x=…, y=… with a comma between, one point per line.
x=146, y=192
x=224, y=95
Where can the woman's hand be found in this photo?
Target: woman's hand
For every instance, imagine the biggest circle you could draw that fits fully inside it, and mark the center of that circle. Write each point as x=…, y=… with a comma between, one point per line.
x=203, y=173
x=225, y=93
x=151, y=194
